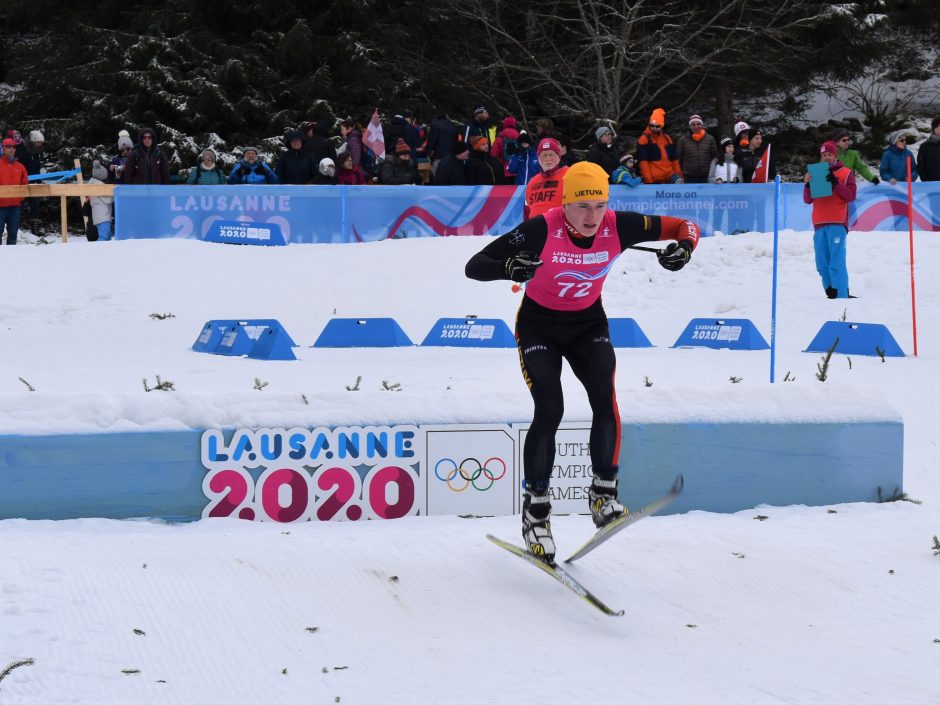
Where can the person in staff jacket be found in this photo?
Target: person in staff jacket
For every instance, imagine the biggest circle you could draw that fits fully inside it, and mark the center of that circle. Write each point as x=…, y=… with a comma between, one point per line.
x=850, y=158
x=12, y=173
x=563, y=256
x=146, y=164
x=656, y=154
x=928, y=156
x=544, y=190
x=831, y=222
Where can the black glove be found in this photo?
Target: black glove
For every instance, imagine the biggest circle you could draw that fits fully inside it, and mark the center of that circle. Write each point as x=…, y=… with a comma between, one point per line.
x=676, y=256
x=875, y=181
x=245, y=170
x=521, y=267
x=831, y=178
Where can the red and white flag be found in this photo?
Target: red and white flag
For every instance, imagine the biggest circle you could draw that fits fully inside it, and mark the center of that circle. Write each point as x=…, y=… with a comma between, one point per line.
x=762, y=169
x=374, y=138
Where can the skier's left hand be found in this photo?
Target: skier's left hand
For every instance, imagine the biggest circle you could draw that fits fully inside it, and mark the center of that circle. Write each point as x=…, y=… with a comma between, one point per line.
x=675, y=256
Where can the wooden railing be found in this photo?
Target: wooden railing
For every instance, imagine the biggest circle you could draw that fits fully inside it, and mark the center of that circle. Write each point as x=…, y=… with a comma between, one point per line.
x=63, y=191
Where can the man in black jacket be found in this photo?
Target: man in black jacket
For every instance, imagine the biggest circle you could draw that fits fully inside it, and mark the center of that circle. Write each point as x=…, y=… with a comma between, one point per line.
x=602, y=152
x=928, y=156
x=295, y=165
x=452, y=170
x=482, y=169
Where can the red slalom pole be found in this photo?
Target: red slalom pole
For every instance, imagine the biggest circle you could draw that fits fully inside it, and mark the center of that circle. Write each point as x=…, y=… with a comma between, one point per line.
x=910, y=223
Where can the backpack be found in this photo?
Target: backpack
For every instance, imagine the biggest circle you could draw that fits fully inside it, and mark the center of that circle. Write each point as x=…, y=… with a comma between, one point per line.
x=367, y=161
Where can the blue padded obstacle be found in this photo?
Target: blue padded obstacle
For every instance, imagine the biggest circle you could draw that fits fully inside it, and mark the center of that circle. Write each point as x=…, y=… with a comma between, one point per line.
x=470, y=333
x=731, y=333
x=855, y=339
x=625, y=333
x=240, y=337
x=211, y=334
x=273, y=344
x=362, y=333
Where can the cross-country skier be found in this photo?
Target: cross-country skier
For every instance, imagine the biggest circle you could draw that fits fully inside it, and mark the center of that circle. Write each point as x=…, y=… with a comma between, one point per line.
x=564, y=255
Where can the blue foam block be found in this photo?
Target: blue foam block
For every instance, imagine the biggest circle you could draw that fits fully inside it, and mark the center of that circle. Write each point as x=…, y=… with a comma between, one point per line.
x=272, y=344
x=730, y=333
x=362, y=333
x=855, y=339
x=625, y=333
x=470, y=333
x=211, y=334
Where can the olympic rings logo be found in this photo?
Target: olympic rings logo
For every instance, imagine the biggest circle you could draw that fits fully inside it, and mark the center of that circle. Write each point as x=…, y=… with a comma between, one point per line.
x=469, y=471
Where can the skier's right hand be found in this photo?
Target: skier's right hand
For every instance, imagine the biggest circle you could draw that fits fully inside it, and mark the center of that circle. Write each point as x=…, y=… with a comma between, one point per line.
x=521, y=267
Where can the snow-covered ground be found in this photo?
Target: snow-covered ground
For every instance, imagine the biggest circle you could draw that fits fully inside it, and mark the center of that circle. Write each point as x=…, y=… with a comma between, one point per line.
x=810, y=605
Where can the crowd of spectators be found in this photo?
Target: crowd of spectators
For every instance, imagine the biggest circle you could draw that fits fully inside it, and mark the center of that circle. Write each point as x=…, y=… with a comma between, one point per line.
x=479, y=152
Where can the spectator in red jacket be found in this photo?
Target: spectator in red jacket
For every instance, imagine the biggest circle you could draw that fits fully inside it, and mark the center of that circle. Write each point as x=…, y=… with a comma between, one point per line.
x=12, y=173
x=348, y=173
x=504, y=146
x=656, y=154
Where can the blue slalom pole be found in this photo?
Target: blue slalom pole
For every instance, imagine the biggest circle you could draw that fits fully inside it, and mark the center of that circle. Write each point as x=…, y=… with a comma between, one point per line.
x=773, y=297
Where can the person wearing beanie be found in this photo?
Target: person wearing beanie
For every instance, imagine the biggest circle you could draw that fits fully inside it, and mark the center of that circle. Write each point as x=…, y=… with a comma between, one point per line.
x=563, y=256
x=544, y=190
x=723, y=169
x=656, y=154
x=479, y=124
x=895, y=158
x=146, y=164
x=696, y=150
x=207, y=172
x=504, y=146
x=99, y=227
x=831, y=222
x=755, y=164
x=524, y=164
x=398, y=168
x=317, y=142
x=850, y=158
x=326, y=173
x=116, y=165
x=252, y=170
x=482, y=168
x=928, y=156
x=12, y=173
x=452, y=169
x=30, y=154
x=602, y=152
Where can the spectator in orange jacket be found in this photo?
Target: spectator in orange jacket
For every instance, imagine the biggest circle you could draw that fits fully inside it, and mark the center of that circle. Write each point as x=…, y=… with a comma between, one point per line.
x=12, y=173
x=656, y=154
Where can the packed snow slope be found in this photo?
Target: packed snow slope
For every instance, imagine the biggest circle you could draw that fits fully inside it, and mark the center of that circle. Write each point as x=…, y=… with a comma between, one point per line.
x=772, y=605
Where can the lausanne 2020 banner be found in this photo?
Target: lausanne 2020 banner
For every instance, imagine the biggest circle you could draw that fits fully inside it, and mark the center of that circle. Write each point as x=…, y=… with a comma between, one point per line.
x=341, y=214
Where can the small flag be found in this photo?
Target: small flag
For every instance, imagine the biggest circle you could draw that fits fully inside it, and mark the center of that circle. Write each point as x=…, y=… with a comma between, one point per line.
x=762, y=170
x=374, y=138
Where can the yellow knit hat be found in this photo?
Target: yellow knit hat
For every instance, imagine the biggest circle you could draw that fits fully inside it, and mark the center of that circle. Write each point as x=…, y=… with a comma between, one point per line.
x=585, y=181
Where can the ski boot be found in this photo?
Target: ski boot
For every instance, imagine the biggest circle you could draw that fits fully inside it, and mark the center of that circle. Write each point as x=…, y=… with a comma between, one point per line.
x=602, y=499
x=537, y=526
